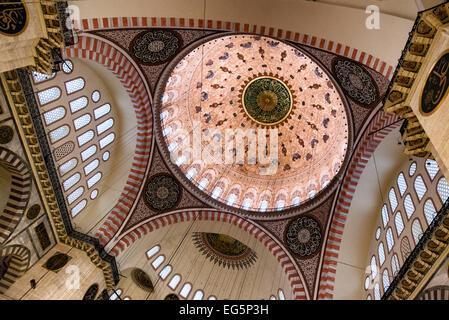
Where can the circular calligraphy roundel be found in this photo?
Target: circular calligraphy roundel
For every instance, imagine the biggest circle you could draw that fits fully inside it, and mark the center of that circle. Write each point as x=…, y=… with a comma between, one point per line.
x=436, y=86
x=13, y=17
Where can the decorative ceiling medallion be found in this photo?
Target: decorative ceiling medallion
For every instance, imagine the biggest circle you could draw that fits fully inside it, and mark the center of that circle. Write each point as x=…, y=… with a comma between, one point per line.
x=228, y=89
x=267, y=100
x=436, y=86
x=155, y=46
x=6, y=134
x=33, y=211
x=142, y=280
x=56, y=262
x=162, y=192
x=224, y=250
x=91, y=293
x=356, y=82
x=13, y=17
x=303, y=236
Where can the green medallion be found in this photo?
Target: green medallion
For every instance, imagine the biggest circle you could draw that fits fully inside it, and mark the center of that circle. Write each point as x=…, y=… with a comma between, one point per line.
x=267, y=100
x=13, y=17
x=436, y=86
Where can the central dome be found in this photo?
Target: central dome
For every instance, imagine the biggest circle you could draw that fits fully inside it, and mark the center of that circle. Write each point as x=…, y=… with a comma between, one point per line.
x=254, y=122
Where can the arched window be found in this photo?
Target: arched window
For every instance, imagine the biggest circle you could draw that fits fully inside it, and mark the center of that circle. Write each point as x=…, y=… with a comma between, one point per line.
x=280, y=205
x=41, y=77
x=59, y=133
x=376, y=292
x=185, y=290
x=412, y=169
x=367, y=282
x=231, y=199
x=216, y=193
x=174, y=281
x=393, y=200
x=158, y=261
x=78, y=104
x=212, y=298
x=272, y=297
x=443, y=189
x=49, y=95
x=153, y=251
x=385, y=218
x=68, y=166
x=165, y=272
x=247, y=203
x=203, y=183
x=70, y=182
x=429, y=211
x=191, y=173
x=402, y=184
x=409, y=206
x=85, y=137
x=296, y=201
x=420, y=187
x=74, y=85
x=395, y=265
x=381, y=253
x=105, y=126
x=95, y=178
x=432, y=168
x=75, y=195
x=198, y=295
x=82, y=121
x=378, y=233
x=281, y=294
x=67, y=66
x=416, y=231
x=390, y=239
x=399, y=223
x=102, y=111
x=405, y=248
x=385, y=280
x=373, y=267
x=78, y=208
x=263, y=205
x=54, y=115
x=91, y=166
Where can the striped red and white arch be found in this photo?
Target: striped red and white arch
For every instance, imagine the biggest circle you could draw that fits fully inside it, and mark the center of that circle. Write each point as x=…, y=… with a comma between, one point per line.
x=270, y=243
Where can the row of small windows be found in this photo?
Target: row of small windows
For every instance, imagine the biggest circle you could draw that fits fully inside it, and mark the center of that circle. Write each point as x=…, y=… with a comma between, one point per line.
x=176, y=279
x=52, y=94
x=429, y=211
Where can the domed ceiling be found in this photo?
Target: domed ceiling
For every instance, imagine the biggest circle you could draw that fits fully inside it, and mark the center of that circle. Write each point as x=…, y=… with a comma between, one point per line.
x=237, y=86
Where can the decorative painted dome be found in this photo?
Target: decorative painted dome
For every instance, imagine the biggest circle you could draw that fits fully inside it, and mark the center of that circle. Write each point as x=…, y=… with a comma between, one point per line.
x=254, y=122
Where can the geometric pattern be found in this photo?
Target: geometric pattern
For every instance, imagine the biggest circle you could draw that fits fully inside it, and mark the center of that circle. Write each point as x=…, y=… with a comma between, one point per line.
x=206, y=215
x=18, y=195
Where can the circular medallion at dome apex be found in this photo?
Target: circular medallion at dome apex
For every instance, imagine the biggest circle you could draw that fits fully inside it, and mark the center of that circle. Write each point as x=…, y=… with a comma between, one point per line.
x=303, y=236
x=267, y=100
x=356, y=82
x=204, y=90
x=155, y=46
x=162, y=192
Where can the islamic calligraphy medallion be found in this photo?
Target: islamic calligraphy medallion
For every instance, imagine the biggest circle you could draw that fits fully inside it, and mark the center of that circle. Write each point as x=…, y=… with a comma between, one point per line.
x=436, y=86
x=13, y=17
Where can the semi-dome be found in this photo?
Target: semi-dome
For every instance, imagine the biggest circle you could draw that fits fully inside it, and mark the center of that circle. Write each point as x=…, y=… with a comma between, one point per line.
x=267, y=97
